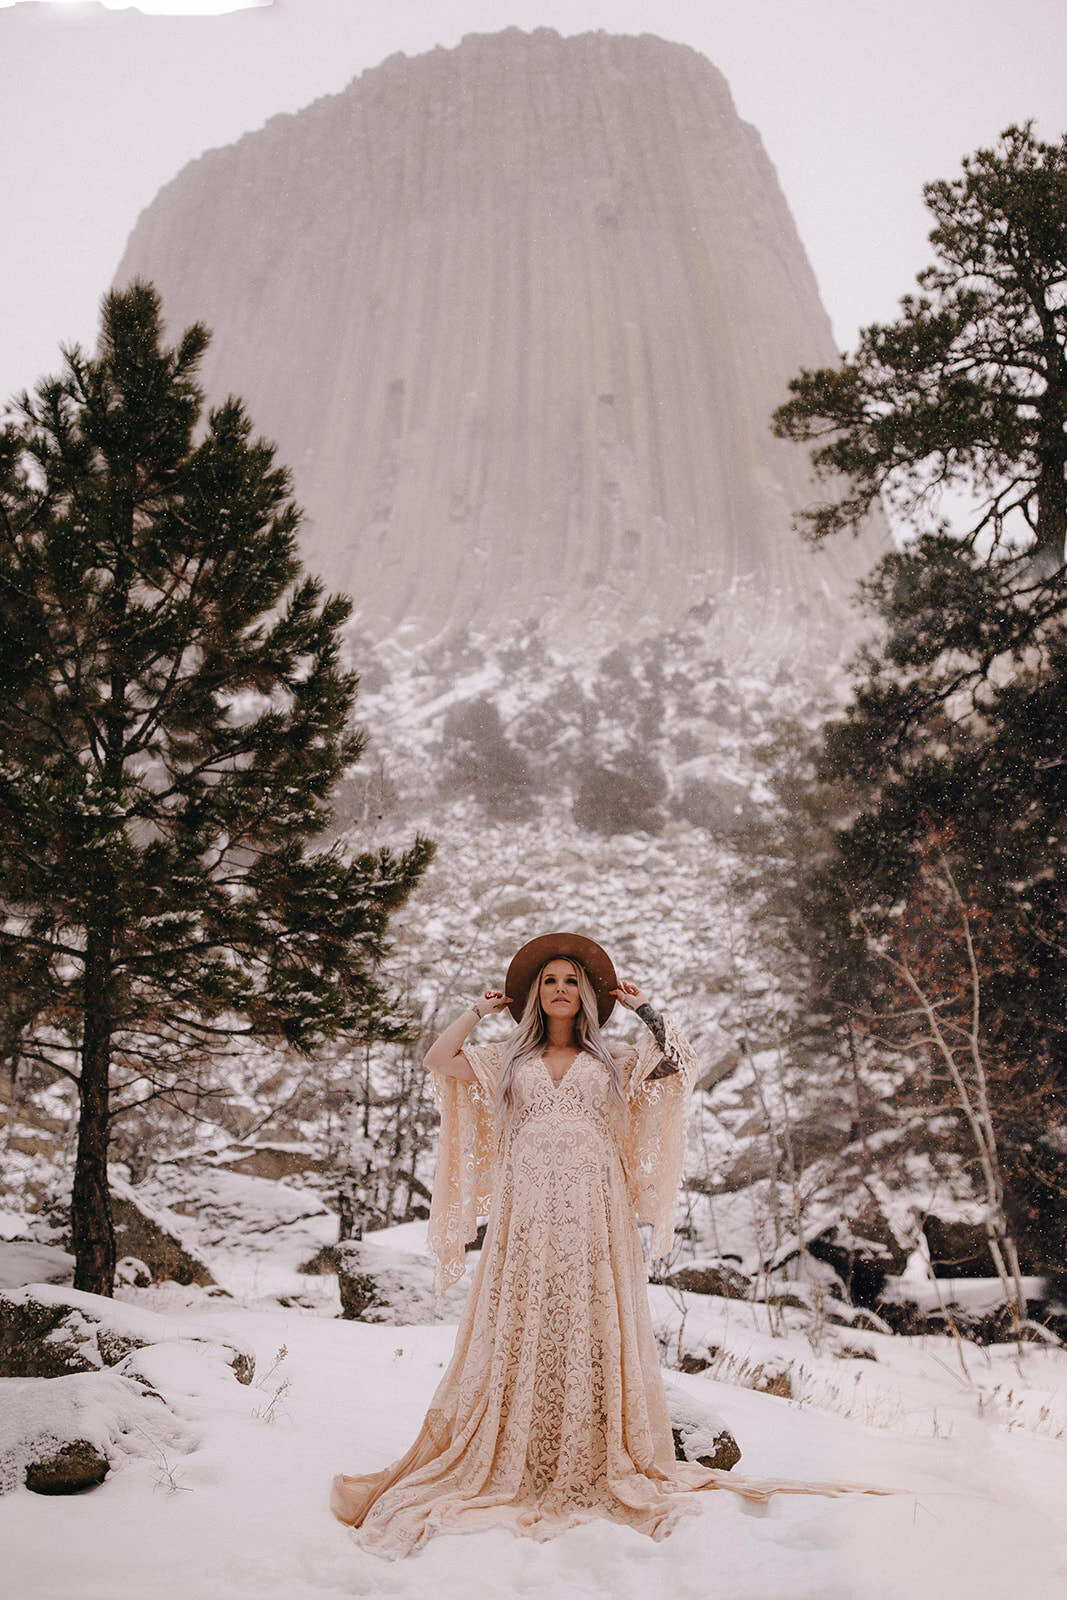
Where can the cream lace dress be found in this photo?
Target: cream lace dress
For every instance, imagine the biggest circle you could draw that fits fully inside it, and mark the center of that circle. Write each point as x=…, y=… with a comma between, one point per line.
x=552, y=1409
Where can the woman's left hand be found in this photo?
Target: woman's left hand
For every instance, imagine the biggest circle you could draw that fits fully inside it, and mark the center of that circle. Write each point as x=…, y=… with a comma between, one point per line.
x=630, y=995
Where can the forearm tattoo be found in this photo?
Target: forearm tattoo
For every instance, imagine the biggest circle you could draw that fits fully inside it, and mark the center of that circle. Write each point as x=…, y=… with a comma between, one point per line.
x=658, y=1029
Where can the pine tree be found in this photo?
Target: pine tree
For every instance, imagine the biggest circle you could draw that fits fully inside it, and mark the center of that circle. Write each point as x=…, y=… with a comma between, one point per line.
x=968, y=388
x=175, y=715
x=954, y=737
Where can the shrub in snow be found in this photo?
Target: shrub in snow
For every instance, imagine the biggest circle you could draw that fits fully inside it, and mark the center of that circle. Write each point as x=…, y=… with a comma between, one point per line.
x=622, y=799
x=478, y=758
x=716, y=804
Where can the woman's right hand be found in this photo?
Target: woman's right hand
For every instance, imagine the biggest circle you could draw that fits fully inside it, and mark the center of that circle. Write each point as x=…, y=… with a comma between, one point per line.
x=446, y=1053
x=492, y=1000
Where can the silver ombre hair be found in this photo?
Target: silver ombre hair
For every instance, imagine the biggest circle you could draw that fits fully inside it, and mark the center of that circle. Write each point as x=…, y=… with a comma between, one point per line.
x=531, y=1036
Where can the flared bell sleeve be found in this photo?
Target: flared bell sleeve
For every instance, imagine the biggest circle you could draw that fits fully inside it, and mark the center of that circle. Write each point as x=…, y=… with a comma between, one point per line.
x=466, y=1153
x=654, y=1140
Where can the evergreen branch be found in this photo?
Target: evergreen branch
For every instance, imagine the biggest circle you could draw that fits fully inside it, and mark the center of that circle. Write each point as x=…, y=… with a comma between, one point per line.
x=28, y=1053
x=196, y=1026
x=166, y=1094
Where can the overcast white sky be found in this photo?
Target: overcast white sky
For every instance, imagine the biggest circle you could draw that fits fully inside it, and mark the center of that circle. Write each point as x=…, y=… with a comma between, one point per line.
x=858, y=103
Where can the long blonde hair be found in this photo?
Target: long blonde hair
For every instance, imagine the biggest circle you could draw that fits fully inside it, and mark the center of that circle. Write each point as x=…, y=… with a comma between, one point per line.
x=531, y=1036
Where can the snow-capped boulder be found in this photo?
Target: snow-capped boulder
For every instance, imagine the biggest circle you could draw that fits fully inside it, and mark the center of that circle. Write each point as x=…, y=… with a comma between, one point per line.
x=270, y=1159
x=253, y=1233
x=44, y=1335
x=699, y=1433
x=324, y=1261
x=133, y=1273
x=49, y=1332
x=62, y=1435
x=378, y=1286
x=711, y=1277
x=150, y=1235
x=863, y=1249
x=66, y=1468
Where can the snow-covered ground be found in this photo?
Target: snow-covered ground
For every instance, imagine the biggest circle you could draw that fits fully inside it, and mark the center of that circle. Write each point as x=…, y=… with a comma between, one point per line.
x=232, y=1501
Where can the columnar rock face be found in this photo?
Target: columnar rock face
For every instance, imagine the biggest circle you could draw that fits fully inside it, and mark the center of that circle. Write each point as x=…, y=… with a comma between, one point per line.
x=516, y=315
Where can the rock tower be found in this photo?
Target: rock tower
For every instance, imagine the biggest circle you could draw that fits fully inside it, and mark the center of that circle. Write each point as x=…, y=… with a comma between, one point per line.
x=516, y=315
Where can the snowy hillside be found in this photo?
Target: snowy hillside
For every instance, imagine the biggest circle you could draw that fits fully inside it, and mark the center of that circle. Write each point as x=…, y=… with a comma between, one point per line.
x=806, y=1224
x=630, y=796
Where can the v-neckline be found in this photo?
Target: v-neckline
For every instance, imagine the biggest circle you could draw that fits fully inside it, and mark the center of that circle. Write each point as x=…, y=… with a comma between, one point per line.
x=557, y=1086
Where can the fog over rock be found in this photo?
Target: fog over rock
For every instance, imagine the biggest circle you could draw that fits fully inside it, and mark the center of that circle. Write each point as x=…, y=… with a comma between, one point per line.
x=516, y=315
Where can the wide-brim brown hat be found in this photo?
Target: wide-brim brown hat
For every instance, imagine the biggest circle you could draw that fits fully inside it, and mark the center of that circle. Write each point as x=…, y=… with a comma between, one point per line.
x=527, y=963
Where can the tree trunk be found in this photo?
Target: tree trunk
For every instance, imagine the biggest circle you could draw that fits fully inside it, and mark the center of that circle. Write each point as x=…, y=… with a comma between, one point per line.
x=1047, y=555
x=351, y=1209
x=92, y=1229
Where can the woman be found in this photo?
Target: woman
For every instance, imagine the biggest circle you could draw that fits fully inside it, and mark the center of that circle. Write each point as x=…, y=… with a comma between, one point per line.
x=552, y=1409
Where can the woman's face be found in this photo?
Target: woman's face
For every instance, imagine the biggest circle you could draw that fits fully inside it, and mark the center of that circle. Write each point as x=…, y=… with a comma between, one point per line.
x=559, y=989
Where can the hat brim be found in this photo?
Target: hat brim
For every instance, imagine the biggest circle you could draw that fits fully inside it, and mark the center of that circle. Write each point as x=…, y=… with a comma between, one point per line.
x=527, y=963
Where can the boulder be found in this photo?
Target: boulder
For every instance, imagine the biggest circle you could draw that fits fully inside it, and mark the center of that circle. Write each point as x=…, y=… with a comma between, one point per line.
x=863, y=1250
x=42, y=1337
x=149, y=1235
x=379, y=1284
x=63, y=1435
x=854, y=1352
x=992, y=1323
x=711, y=1277
x=788, y=1300
x=520, y=905
x=67, y=1469
x=959, y=1247
x=861, y=1317
x=720, y=1450
x=132, y=1273
x=265, y=1221
x=720, y=1067
x=323, y=1262
x=699, y=1433
x=50, y=1332
x=273, y=1161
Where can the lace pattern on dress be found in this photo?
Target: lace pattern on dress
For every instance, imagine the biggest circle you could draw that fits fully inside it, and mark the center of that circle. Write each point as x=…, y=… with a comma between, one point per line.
x=653, y=1146
x=466, y=1156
